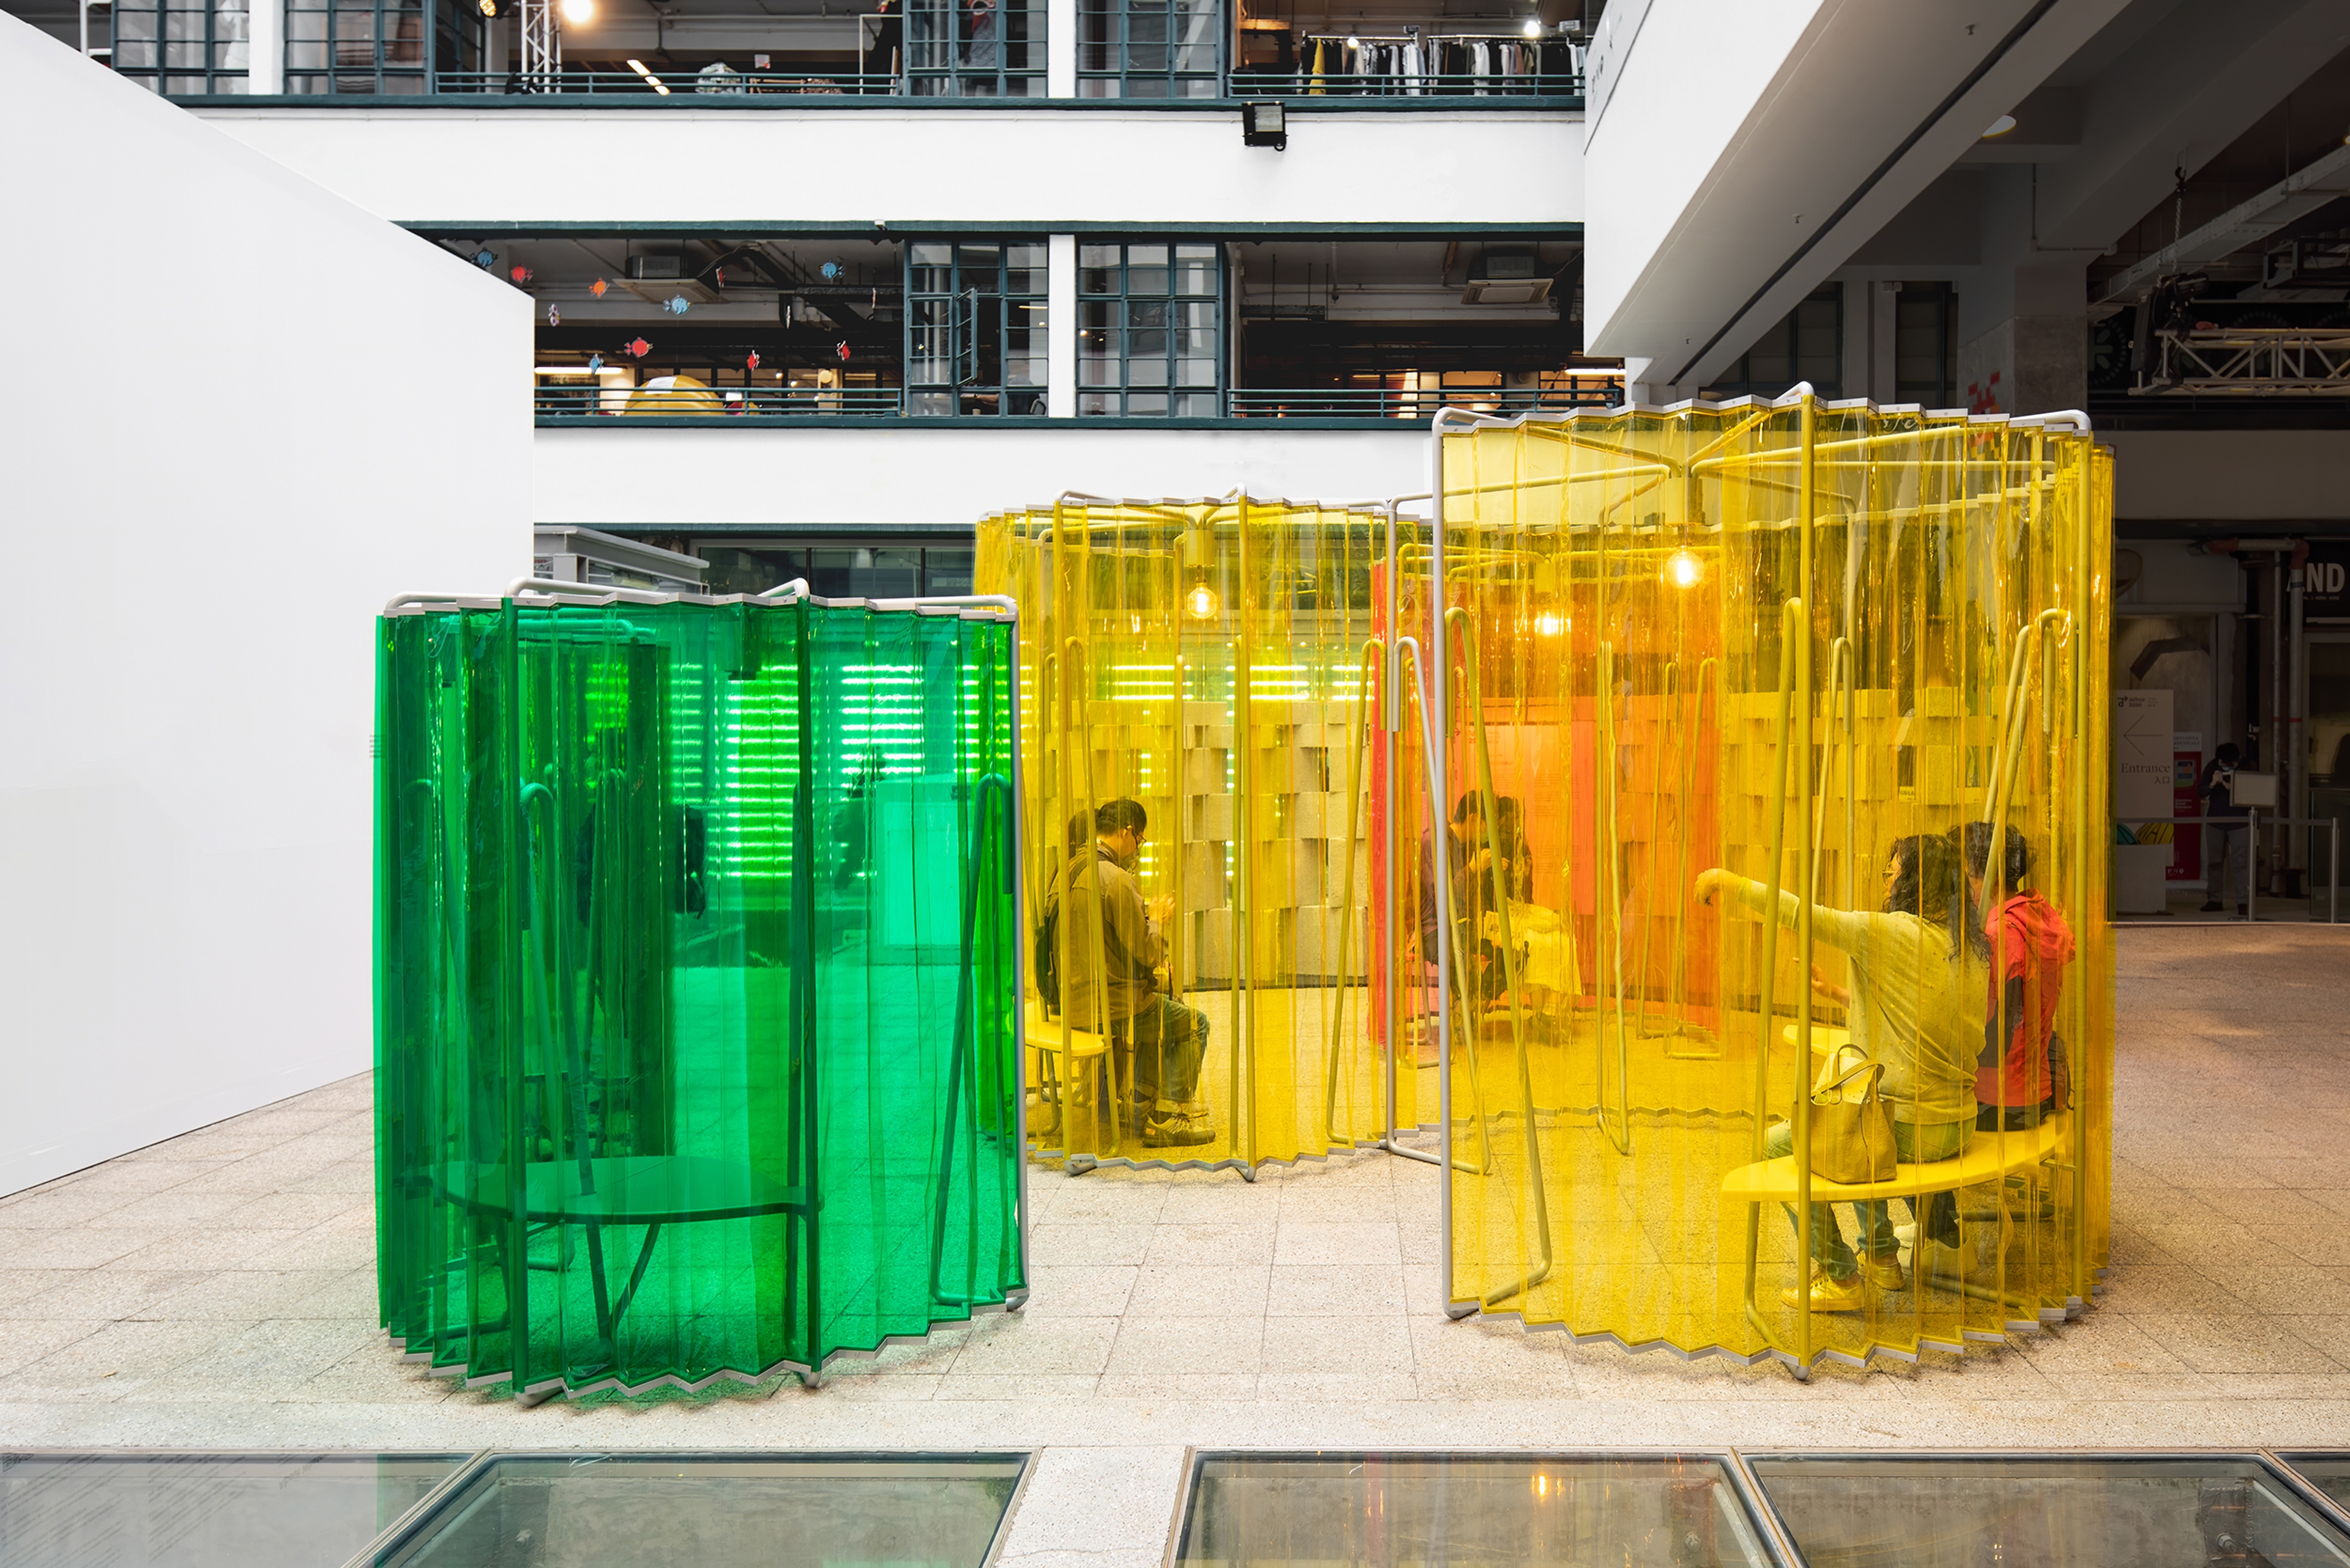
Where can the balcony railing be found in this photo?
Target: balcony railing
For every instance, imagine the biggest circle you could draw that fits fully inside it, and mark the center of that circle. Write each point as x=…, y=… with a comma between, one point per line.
x=777, y=87
x=1363, y=403
x=716, y=402
x=1311, y=85
x=688, y=85
x=1398, y=403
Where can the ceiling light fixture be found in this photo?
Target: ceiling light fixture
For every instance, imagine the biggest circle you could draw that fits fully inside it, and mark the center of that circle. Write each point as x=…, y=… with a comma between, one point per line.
x=1534, y=27
x=578, y=13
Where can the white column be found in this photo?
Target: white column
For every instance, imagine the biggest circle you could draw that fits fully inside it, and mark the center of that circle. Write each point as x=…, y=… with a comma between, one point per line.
x=1061, y=324
x=1884, y=319
x=264, y=36
x=1853, y=373
x=1061, y=48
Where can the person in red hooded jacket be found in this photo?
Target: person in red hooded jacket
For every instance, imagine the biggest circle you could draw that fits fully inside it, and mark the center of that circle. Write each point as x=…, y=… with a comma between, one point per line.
x=2026, y=1078
x=2030, y=947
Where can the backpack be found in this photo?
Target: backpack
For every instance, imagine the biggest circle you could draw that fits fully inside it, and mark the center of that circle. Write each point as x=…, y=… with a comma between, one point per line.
x=1046, y=953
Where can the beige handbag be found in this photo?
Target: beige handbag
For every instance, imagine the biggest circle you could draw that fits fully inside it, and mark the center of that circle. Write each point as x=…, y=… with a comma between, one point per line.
x=1852, y=1138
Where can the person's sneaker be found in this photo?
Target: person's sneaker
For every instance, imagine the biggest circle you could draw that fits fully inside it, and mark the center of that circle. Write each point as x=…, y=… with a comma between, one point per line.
x=1884, y=1271
x=2211, y=907
x=1939, y=1260
x=1831, y=1294
x=1176, y=1129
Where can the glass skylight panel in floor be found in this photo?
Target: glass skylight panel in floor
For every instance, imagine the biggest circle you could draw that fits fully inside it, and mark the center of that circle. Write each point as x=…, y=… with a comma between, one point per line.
x=2329, y=1473
x=204, y=1510
x=1465, y=1511
x=716, y=1511
x=2083, y=1511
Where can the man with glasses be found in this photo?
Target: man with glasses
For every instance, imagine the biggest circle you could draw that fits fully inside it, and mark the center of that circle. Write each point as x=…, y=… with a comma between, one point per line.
x=1122, y=995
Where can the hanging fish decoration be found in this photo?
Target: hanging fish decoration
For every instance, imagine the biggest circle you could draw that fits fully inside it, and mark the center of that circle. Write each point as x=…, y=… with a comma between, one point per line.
x=595, y=363
x=554, y=316
x=831, y=271
x=637, y=347
x=679, y=304
x=485, y=258
x=843, y=349
x=519, y=273
x=720, y=274
x=597, y=287
x=753, y=362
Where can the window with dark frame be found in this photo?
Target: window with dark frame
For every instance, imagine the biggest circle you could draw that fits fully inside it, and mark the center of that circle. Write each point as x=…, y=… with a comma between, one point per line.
x=975, y=322
x=1150, y=49
x=190, y=46
x=1923, y=369
x=1150, y=337
x=975, y=48
x=377, y=46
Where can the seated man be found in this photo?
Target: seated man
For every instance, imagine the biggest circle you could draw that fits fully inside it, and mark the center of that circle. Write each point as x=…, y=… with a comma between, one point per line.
x=1168, y=1040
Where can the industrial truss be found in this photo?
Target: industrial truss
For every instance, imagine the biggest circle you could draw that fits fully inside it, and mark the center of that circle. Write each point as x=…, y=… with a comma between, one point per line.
x=2256, y=362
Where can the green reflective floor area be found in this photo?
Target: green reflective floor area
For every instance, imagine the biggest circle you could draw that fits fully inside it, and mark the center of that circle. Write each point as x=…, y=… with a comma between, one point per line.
x=509, y=1510
x=1804, y=1510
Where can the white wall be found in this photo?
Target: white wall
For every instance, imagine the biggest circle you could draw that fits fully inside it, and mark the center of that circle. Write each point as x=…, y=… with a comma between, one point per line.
x=631, y=477
x=2224, y=476
x=1054, y=169
x=214, y=480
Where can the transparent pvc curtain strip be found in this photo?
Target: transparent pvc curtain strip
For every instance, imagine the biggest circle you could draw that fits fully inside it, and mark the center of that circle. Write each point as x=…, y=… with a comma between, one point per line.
x=696, y=969
x=1222, y=663
x=1789, y=641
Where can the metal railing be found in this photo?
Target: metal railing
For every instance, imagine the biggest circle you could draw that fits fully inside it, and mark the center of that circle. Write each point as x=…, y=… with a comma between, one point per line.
x=1401, y=403
x=2251, y=820
x=685, y=85
x=1420, y=84
x=557, y=399
x=714, y=402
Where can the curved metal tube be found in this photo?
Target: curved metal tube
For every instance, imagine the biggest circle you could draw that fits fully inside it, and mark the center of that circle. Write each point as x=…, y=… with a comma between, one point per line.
x=1458, y=616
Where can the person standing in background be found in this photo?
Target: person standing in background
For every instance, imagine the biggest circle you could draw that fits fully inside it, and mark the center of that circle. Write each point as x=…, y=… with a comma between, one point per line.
x=2223, y=842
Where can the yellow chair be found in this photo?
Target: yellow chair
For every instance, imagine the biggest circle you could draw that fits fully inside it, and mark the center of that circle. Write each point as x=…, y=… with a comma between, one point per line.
x=1063, y=1052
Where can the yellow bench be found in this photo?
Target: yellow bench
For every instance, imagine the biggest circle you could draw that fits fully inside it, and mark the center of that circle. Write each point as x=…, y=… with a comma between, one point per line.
x=1072, y=1051
x=1988, y=1157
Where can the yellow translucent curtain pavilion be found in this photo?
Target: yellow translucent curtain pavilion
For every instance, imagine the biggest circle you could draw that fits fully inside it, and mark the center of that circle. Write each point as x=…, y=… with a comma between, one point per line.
x=1218, y=662
x=1776, y=639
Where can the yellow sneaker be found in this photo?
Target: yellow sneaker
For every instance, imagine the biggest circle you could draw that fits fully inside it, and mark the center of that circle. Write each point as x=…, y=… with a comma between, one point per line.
x=1884, y=1271
x=1831, y=1294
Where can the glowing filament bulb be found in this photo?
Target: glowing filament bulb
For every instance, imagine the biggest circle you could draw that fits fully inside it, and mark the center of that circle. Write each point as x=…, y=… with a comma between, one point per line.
x=1202, y=603
x=1683, y=570
x=1550, y=625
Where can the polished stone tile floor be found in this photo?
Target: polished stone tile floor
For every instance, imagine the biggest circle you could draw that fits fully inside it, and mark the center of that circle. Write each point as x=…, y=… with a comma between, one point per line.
x=218, y=1291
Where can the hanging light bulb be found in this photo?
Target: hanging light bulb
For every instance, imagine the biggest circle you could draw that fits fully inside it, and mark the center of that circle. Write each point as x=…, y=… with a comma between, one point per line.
x=1202, y=603
x=1550, y=623
x=1683, y=570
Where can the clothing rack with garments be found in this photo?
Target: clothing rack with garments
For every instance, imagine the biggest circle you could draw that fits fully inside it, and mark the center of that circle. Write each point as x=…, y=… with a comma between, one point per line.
x=1416, y=62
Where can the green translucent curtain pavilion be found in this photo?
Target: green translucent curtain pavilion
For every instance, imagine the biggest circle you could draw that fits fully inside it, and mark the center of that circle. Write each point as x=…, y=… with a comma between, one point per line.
x=696, y=975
